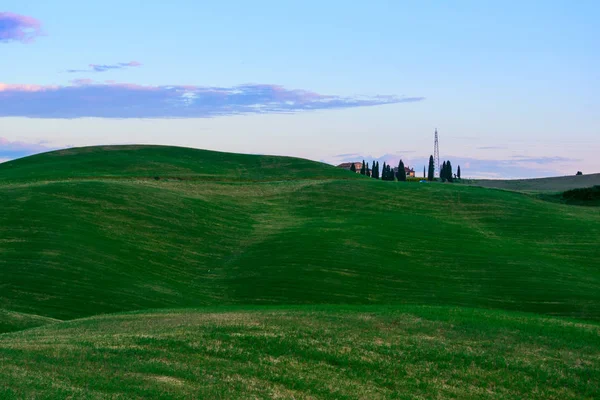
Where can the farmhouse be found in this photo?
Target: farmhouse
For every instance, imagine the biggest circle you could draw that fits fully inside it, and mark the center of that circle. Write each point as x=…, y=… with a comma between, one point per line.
x=410, y=172
x=348, y=165
x=357, y=166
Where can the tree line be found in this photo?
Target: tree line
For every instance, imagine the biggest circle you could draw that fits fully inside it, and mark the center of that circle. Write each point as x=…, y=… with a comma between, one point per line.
x=446, y=172
x=387, y=173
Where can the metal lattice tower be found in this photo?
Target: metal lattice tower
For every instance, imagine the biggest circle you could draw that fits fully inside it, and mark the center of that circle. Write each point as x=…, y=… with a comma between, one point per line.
x=436, y=154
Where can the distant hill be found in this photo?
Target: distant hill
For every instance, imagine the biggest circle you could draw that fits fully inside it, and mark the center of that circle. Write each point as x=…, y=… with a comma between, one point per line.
x=163, y=162
x=557, y=184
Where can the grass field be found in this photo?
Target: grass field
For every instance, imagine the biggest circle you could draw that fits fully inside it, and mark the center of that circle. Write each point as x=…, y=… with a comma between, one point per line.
x=307, y=352
x=556, y=184
x=589, y=196
x=89, y=232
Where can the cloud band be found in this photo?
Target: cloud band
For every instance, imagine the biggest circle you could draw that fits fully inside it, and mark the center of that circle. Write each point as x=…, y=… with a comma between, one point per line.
x=85, y=99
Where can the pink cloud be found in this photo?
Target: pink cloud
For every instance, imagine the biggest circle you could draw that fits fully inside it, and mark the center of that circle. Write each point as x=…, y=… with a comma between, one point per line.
x=7, y=87
x=15, y=149
x=18, y=28
x=85, y=98
x=107, y=67
x=83, y=81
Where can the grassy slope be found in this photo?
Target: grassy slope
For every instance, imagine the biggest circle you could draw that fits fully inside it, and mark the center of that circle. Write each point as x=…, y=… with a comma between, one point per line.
x=301, y=353
x=78, y=248
x=589, y=196
x=14, y=321
x=90, y=231
x=557, y=184
x=114, y=162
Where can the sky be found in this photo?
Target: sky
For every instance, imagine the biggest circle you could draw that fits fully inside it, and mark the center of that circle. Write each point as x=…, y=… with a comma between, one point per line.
x=511, y=86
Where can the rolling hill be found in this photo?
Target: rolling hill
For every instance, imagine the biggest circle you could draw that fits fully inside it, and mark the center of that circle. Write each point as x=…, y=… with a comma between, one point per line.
x=102, y=230
x=325, y=352
x=555, y=184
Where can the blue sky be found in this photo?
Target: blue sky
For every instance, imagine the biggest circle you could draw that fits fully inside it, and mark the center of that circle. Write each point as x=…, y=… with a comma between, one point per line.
x=511, y=86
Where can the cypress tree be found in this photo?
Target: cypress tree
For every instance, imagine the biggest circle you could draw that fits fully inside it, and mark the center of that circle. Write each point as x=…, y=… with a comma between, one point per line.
x=376, y=170
x=384, y=176
x=401, y=172
x=353, y=167
x=443, y=172
x=458, y=172
x=368, y=172
x=424, y=174
x=449, y=176
x=431, y=171
x=362, y=169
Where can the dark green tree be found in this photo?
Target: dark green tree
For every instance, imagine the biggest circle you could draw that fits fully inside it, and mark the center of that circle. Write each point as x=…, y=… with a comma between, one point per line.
x=431, y=172
x=376, y=170
x=449, y=173
x=458, y=172
x=424, y=173
x=443, y=176
x=353, y=167
x=402, y=171
x=363, y=171
x=401, y=175
x=368, y=170
x=384, y=172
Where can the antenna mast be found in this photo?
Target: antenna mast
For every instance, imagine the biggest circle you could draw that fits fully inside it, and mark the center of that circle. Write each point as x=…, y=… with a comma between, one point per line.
x=436, y=154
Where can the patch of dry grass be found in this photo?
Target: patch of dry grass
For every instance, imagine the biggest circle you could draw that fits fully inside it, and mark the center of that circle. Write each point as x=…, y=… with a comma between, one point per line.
x=307, y=353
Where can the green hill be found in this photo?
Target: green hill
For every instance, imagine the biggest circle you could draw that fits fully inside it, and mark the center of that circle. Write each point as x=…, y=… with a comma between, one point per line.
x=555, y=184
x=101, y=230
x=152, y=162
x=78, y=247
x=380, y=352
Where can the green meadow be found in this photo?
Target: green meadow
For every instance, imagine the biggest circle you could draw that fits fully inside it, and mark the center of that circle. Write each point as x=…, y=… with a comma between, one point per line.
x=165, y=272
x=554, y=184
